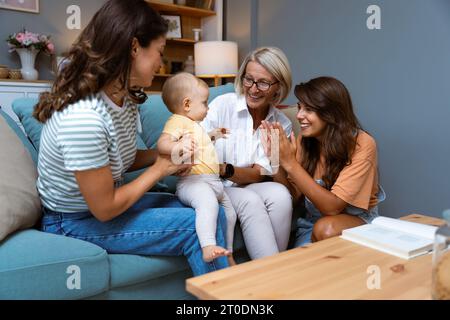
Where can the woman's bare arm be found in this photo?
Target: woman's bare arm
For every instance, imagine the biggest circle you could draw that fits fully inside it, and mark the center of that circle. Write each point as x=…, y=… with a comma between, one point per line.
x=144, y=159
x=166, y=143
x=107, y=202
x=324, y=200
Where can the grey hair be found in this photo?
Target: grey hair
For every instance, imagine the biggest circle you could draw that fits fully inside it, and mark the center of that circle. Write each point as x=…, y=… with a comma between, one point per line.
x=276, y=63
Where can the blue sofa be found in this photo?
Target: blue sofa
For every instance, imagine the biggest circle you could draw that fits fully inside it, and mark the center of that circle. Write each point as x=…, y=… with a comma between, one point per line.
x=36, y=265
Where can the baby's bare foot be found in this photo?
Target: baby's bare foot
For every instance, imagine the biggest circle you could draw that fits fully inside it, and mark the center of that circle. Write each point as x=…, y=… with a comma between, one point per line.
x=212, y=252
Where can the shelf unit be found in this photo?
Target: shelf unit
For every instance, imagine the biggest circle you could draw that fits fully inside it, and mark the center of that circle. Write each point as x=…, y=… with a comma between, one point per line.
x=216, y=78
x=182, y=41
x=178, y=50
x=181, y=10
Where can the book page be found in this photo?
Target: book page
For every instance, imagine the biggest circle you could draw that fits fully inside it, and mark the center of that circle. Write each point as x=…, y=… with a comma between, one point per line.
x=388, y=240
x=413, y=228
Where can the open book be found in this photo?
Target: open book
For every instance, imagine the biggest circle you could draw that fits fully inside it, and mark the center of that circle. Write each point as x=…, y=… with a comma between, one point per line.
x=403, y=239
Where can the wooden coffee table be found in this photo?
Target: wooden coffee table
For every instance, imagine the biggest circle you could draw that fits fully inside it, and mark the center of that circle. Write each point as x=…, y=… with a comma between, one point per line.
x=329, y=269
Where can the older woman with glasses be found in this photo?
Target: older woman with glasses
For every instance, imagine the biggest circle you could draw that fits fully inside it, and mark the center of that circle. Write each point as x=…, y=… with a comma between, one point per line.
x=264, y=208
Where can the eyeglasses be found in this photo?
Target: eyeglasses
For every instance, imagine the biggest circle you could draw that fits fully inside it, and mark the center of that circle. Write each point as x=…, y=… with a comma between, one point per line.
x=261, y=85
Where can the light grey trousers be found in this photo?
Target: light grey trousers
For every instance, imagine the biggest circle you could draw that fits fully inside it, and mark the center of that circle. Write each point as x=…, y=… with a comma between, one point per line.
x=204, y=193
x=265, y=212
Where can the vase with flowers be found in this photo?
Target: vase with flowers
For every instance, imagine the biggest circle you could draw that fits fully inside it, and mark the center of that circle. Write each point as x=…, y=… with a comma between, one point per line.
x=28, y=45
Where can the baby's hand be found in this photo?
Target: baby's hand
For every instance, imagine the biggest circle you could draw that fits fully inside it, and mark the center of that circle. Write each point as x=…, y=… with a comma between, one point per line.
x=185, y=149
x=219, y=133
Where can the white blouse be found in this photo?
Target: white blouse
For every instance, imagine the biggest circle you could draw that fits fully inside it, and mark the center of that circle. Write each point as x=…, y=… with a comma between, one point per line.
x=243, y=146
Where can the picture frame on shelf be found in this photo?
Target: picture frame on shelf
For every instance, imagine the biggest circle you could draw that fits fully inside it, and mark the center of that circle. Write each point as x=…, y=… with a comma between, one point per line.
x=175, y=28
x=20, y=5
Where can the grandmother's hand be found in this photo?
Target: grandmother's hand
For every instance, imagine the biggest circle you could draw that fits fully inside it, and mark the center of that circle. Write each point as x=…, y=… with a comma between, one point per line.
x=219, y=133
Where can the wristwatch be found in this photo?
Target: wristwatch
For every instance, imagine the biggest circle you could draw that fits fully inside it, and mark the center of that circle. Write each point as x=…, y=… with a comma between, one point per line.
x=229, y=171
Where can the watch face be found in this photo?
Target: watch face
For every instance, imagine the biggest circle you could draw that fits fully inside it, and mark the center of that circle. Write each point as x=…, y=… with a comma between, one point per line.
x=229, y=170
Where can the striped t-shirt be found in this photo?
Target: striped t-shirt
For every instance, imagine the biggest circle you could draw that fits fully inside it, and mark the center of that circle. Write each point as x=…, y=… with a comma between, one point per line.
x=90, y=134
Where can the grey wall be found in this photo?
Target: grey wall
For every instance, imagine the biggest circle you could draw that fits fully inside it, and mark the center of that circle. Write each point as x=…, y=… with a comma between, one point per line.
x=398, y=77
x=51, y=20
x=238, y=24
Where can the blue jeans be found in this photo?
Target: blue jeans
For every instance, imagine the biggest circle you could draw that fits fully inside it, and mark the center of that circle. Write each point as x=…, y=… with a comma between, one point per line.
x=158, y=224
x=305, y=225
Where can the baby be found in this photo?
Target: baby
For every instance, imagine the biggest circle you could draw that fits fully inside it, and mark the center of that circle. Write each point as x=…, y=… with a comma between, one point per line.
x=184, y=139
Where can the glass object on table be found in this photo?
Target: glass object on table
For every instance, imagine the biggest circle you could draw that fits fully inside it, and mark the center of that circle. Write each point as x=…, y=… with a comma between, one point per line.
x=441, y=261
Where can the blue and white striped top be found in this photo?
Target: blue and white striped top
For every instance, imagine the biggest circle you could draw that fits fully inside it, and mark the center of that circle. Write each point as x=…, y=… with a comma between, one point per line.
x=90, y=134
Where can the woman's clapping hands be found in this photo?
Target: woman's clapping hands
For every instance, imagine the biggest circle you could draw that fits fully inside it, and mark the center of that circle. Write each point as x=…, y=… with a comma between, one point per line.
x=272, y=134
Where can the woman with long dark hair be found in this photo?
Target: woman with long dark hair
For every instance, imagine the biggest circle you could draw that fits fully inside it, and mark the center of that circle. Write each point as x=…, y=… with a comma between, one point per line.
x=89, y=141
x=332, y=166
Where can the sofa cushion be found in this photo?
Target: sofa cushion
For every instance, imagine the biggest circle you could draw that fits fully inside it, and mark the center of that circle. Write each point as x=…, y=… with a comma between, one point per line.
x=154, y=115
x=140, y=143
x=169, y=287
x=18, y=131
x=214, y=92
x=20, y=204
x=128, y=270
x=23, y=108
x=35, y=265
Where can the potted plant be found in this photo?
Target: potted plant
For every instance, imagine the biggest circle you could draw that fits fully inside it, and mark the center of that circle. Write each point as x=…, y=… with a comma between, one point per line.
x=28, y=45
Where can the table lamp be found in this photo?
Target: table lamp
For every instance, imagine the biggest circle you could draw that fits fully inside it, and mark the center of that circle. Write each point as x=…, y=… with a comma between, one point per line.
x=216, y=59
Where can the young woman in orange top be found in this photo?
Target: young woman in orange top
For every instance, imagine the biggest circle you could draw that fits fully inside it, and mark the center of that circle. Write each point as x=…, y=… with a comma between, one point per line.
x=332, y=166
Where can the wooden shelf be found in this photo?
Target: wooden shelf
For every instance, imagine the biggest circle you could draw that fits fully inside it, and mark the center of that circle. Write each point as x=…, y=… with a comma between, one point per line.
x=181, y=10
x=183, y=41
x=222, y=76
x=27, y=81
x=217, y=78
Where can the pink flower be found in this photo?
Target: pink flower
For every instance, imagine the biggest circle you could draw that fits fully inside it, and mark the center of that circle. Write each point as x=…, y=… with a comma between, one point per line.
x=31, y=37
x=50, y=47
x=26, y=39
x=20, y=37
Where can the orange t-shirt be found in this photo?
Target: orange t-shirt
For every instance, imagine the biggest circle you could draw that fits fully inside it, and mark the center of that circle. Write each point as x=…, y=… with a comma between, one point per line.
x=357, y=183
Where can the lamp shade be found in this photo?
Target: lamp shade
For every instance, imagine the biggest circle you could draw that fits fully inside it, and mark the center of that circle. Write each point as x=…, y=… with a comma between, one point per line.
x=213, y=58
